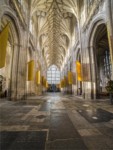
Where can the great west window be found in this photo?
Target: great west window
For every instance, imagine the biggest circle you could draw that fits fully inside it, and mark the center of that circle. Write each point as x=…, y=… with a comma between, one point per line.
x=53, y=75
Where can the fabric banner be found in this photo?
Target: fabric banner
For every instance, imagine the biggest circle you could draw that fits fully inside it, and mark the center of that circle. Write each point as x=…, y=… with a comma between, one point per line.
x=38, y=77
x=78, y=70
x=47, y=84
x=70, y=77
x=65, y=81
x=31, y=70
x=62, y=83
x=3, y=45
x=42, y=80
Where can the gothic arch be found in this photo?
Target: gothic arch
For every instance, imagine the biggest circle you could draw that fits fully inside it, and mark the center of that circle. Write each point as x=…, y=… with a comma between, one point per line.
x=98, y=20
x=13, y=50
x=14, y=23
x=98, y=26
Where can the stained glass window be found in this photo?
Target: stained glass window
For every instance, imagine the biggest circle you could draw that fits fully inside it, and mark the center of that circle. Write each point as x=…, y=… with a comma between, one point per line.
x=53, y=75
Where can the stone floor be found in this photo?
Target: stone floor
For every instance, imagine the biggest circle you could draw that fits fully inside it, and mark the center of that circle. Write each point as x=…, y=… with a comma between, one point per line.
x=56, y=122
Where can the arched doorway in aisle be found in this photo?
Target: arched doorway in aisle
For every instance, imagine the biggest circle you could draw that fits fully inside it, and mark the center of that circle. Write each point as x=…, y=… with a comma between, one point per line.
x=102, y=62
x=9, y=87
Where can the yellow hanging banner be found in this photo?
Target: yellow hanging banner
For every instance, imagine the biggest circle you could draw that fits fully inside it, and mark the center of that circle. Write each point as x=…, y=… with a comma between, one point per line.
x=70, y=77
x=31, y=70
x=42, y=80
x=3, y=45
x=65, y=81
x=38, y=77
x=47, y=84
x=78, y=70
x=62, y=83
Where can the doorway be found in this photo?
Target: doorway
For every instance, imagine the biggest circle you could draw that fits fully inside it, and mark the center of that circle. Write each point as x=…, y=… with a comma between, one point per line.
x=102, y=61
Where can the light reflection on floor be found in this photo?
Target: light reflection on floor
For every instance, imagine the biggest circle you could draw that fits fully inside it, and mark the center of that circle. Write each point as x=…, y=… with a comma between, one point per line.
x=60, y=122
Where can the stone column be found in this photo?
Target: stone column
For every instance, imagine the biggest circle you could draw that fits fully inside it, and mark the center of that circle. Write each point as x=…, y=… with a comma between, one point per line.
x=0, y=18
x=93, y=70
x=63, y=89
x=1, y=13
x=110, y=29
x=22, y=73
x=14, y=72
x=65, y=75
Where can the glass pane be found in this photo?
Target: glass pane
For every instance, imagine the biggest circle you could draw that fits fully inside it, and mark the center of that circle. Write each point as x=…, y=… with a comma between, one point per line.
x=53, y=75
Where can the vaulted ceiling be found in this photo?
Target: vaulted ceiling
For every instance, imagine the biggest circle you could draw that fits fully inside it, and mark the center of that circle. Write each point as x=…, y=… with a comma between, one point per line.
x=54, y=22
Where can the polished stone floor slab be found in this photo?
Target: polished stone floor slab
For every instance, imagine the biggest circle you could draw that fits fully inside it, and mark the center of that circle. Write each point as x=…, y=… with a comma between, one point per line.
x=23, y=140
x=62, y=134
x=56, y=122
x=46, y=106
x=61, y=127
x=96, y=115
x=66, y=144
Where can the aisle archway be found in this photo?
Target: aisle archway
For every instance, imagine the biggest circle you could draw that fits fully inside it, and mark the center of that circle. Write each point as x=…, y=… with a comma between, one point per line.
x=8, y=71
x=101, y=69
